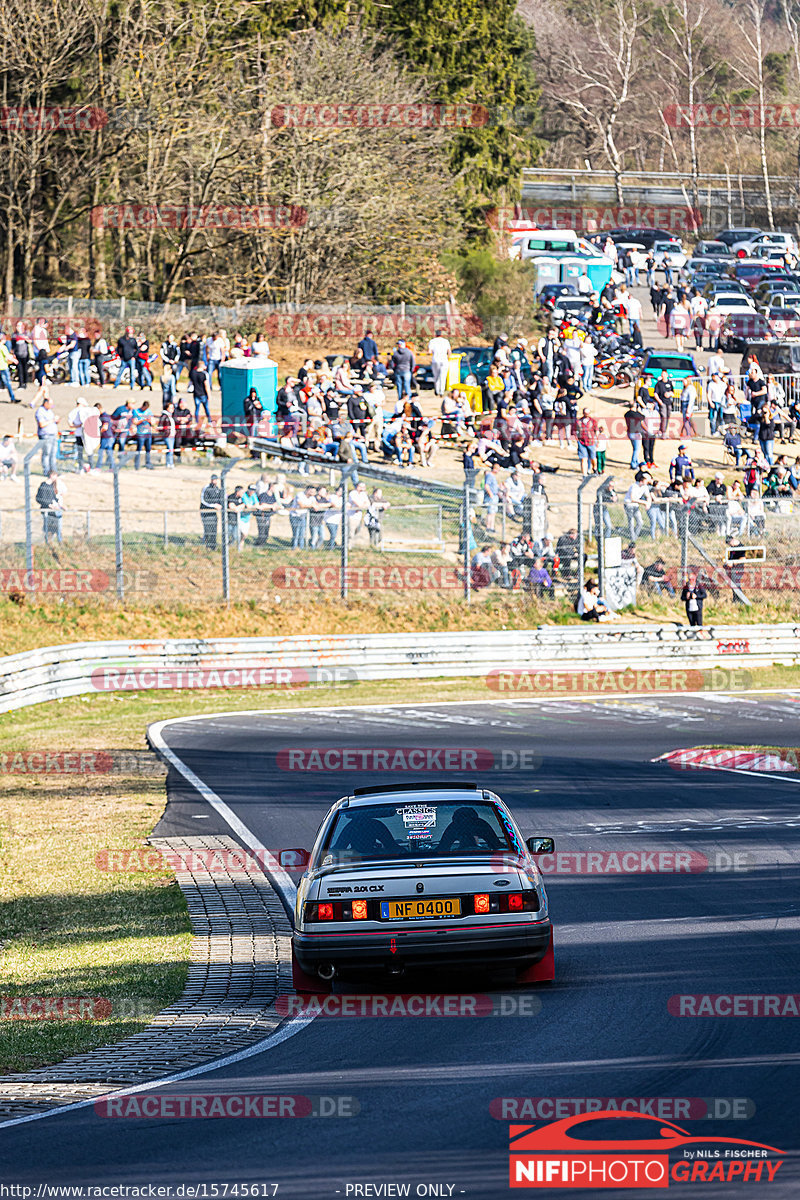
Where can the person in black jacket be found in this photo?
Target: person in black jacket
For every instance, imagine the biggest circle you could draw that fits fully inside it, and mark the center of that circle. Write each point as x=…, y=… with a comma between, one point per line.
x=210, y=506
x=253, y=408
x=127, y=349
x=693, y=595
x=357, y=412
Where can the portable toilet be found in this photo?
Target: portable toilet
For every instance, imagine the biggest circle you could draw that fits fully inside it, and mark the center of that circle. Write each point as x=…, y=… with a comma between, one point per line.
x=237, y=377
x=547, y=271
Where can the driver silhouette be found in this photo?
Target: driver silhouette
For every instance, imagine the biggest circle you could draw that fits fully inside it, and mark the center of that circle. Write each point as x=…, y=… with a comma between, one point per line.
x=468, y=831
x=366, y=836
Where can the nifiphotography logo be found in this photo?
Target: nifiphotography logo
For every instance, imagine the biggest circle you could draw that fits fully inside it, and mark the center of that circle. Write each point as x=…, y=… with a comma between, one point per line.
x=586, y=1151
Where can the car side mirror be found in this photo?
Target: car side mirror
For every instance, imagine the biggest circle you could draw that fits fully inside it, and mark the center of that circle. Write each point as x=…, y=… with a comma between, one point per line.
x=294, y=860
x=540, y=845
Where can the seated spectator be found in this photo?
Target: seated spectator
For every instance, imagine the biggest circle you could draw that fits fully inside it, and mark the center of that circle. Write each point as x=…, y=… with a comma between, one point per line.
x=654, y=578
x=8, y=459
x=567, y=551
x=501, y=560
x=539, y=580
x=733, y=443
x=515, y=494
x=481, y=568
x=590, y=606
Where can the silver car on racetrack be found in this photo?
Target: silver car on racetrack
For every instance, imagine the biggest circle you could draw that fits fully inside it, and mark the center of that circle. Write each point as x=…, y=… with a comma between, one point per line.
x=414, y=876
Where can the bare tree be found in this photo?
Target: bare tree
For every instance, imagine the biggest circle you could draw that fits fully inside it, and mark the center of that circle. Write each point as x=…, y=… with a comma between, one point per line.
x=591, y=69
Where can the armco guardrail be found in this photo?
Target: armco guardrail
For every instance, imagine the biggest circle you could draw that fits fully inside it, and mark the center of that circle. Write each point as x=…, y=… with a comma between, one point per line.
x=56, y=672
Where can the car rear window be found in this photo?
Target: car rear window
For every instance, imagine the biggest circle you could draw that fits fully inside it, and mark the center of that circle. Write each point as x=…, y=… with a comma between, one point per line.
x=659, y=362
x=749, y=272
x=410, y=828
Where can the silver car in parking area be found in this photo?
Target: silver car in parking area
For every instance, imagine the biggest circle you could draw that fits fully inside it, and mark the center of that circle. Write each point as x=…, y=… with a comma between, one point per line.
x=402, y=877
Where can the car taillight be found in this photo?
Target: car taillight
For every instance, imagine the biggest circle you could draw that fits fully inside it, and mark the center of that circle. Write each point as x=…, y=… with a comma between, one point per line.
x=482, y=903
x=324, y=912
x=521, y=901
x=359, y=910
x=741, y=254
x=515, y=902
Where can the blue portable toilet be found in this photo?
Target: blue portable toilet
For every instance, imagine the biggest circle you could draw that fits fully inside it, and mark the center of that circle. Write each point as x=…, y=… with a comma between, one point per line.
x=237, y=377
x=546, y=271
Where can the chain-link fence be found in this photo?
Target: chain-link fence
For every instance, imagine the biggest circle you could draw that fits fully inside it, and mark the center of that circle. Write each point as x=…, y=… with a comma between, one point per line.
x=263, y=529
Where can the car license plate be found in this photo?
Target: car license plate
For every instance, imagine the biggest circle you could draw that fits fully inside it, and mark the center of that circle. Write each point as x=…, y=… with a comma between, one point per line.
x=420, y=910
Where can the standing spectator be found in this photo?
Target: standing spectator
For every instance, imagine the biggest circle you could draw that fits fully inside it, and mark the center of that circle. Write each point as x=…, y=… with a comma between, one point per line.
x=651, y=422
x=253, y=410
x=587, y=438
x=766, y=432
x=468, y=460
x=299, y=510
x=170, y=353
x=127, y=350
x=637, y=498
x=716, y=396
x=6, y=359
x=73, y=354
x=166, y=429
x=198, y=380
x=322, y=502
x=693, y=594
x=84, y=345
x=106, y=448
x=602, y=448
x=210, y=508
x=80, y=413
x=47, y=432
x=491, y=495
x=369, y=348
x=8, y=458
x=333, y=518
x=41, y=345
x=664, y=392
x=233, y=516
x=440, y=351
x=588, y=353
x=699, y=307
x=374, y=518
x=185, y=352
x=143, y=427
x=633, y=426
x=680, y=323
x=688, y=402
x=21, y=351
x=183, y=426
x=403, y=365
x=123, y=424
x=268, y=505
x=169, y=388
x=143, y=373
x=681, y=466
x=101, y=356
x=216, y=357
x=49, y=497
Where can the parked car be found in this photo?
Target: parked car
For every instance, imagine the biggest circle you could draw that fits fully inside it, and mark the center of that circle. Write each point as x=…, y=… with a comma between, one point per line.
x=724, y=286
x=731, y=236
x=475, y=364
x=551, y=291
x=716, y=249
x=678, y=367
x=671, y=250
x=566, y=307
x=739, y=328
x=644, y=234
x=784, y=322
x=724, y=304
x=776, y=357
x=751, y=271
x=773, y=238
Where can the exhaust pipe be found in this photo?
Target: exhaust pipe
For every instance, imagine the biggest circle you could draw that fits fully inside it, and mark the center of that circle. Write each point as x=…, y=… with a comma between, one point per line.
x=326, y=971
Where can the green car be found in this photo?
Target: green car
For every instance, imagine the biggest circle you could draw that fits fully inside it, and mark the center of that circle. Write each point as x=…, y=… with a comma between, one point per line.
x=678, y=367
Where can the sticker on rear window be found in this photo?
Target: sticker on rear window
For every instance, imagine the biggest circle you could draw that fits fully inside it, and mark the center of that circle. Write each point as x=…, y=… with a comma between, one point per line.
x=419, y=820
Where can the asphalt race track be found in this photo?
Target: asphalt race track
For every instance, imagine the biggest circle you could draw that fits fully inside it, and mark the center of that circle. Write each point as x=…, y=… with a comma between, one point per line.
x=625, y=944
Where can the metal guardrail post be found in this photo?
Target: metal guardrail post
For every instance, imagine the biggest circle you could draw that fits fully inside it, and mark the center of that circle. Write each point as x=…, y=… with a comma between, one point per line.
x=589, y=479
x=467, y=531
x=26, y=467
x=225, y=542
x=118, y=552
x=345, y=540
